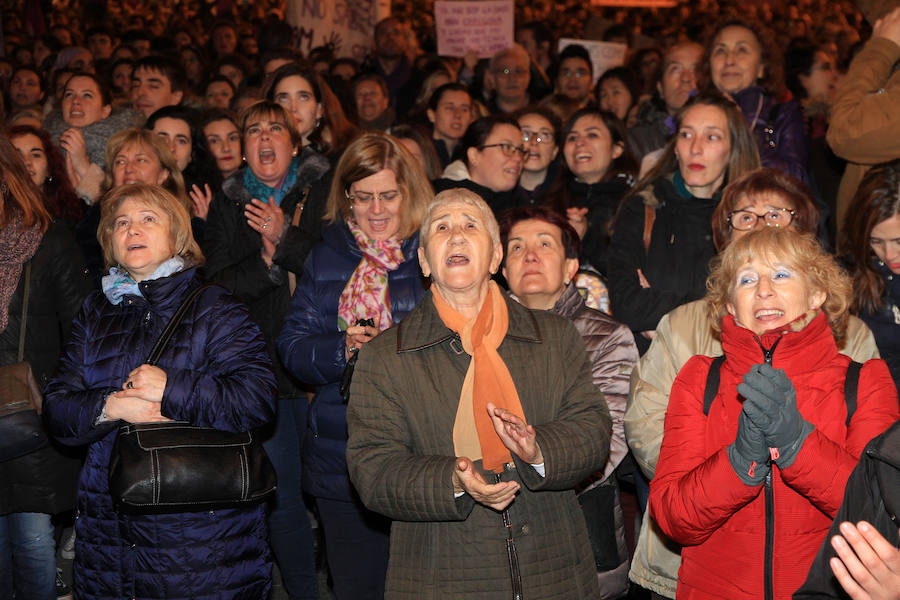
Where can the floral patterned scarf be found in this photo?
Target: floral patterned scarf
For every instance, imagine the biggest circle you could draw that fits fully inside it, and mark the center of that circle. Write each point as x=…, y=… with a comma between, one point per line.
x=366, y=293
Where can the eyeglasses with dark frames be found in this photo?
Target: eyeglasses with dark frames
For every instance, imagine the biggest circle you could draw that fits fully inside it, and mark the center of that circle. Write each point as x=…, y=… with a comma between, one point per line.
x=745, y=220
x=507, y=149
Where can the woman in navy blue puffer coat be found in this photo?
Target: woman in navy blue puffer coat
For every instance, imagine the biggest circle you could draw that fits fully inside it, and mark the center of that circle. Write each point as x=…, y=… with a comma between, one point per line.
x=215, y=372
x=365, y=268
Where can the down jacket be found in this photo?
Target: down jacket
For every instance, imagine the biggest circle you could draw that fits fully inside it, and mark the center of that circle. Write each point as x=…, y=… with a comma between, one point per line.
x=736, y=536
x=403, y=404
x=218, y=375
x=779, y=129
x=613, y=354
x=678, y=338
x=312, y=348
x=44, y=481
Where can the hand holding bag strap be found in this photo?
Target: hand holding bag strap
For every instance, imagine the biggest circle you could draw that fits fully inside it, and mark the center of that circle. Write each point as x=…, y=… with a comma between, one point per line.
x=173, y=324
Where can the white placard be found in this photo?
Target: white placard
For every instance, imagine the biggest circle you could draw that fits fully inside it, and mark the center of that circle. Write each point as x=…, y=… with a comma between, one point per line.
x=483, y=26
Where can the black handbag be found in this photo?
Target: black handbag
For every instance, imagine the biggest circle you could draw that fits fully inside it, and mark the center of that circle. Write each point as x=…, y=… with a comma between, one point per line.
x=21, y=431
x=177, y=467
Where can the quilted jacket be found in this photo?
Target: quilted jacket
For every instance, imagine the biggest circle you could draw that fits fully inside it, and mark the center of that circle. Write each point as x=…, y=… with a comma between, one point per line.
x=403, y=404
x=728, y=528
x=678, y=338
x=218, y=375
x=312, y=348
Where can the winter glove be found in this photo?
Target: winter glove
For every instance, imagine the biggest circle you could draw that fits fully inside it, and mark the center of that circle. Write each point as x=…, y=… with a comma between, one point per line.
x=771, y=403
x=749, y=455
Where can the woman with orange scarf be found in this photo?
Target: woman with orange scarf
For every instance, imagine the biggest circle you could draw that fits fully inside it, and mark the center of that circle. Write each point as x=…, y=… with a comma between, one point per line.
x=470, y=424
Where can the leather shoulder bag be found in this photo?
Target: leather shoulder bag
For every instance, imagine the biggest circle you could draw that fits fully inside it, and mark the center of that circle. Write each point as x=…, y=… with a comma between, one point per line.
x=21, y=431
x=177, y=467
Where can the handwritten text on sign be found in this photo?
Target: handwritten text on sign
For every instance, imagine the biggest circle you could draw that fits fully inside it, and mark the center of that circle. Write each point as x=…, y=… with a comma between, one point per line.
x=351, y=23
x=483, y=26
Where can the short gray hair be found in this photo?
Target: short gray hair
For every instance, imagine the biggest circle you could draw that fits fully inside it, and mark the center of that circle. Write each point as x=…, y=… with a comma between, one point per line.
x=459, y=196
x=514, y=50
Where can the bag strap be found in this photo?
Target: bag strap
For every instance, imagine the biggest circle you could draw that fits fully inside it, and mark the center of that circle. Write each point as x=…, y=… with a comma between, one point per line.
x=25, y=296
x=851, y=386
x=295, y=220
x=649, y=218
x=712, y=383
x=167, y=333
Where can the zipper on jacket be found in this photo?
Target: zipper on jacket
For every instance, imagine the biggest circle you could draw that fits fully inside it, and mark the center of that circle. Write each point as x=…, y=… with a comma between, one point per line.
x=767, y=352
x=511, y=552
x=770, y=534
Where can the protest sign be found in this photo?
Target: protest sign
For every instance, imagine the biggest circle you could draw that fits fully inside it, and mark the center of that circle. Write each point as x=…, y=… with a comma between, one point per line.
x=483, y=26
x=349, y=22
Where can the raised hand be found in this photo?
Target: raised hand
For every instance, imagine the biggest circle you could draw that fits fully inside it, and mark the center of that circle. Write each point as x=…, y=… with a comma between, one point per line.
x=518, y=436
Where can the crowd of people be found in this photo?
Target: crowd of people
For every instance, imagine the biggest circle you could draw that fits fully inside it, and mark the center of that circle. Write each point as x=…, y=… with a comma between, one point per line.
x=508, y=327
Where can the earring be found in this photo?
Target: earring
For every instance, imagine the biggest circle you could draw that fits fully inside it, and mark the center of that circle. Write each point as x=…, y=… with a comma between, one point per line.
x=294, y=153
x=318, y=122
x=49, y=178
x=244, y=158
x=567, y=281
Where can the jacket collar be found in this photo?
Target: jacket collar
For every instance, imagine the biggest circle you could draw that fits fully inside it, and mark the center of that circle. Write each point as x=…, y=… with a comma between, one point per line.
x=423, y=326
x=797, y=350
x=312, y=166
x=570, y=303
x=164, y=292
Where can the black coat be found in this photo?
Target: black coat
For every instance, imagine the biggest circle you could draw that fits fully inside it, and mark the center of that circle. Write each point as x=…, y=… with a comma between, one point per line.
x=675, y=264
x=885, y=322
x=234, y=258
x=872, y=494
x=44, y=481
x=602, y=200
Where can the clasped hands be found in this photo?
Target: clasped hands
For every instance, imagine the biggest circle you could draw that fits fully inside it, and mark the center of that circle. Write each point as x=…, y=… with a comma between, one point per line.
x=139, y=400
x=770, y=426
x=520, y=439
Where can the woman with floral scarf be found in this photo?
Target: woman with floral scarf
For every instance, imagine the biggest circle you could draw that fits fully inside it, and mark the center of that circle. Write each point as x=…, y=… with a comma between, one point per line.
x=364, y=270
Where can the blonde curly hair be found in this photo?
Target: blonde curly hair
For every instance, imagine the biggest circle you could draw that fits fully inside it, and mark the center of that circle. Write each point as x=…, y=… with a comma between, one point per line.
x=800, y=252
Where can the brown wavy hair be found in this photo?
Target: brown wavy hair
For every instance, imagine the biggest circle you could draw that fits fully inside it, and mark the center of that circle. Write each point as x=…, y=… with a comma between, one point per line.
x=877, y=199
x=18, y=194
x=144, y=137
x=799, y=251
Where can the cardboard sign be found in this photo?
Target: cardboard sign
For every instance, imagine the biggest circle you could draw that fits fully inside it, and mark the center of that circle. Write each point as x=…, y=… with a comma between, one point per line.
x=483, y=26
x=349, y=22
x=604, y=55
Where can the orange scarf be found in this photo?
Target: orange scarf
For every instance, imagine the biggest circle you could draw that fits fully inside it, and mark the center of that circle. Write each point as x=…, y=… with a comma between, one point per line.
x=487, y=380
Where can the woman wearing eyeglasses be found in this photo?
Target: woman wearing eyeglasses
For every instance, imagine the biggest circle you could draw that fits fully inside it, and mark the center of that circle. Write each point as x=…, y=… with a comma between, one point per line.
x=488, y=161
x=365, y=269
x=541, y=177
x=763, y=197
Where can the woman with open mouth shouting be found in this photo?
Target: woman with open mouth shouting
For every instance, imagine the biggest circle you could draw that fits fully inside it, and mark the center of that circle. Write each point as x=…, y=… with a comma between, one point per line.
x=362, y=278
x=662, y=236
x=250, y=228
x=82, y=129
